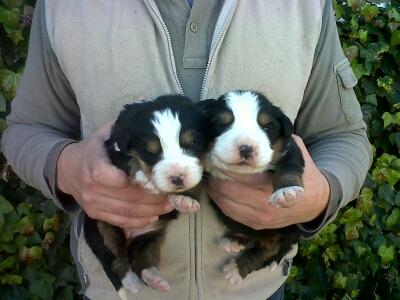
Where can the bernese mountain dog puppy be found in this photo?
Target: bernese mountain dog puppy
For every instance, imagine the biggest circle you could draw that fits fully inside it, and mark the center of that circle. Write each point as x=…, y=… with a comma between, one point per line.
x=160, y=145
x=250, y=135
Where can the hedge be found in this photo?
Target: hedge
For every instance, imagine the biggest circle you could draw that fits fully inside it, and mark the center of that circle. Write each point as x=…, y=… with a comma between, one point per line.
x=356, y=257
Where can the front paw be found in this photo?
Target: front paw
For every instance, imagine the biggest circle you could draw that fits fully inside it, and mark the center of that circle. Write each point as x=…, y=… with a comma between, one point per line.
x=286, y=197
x=230, y=246
x=184, y=204
x=231, y=272
x=131, y=283
x=152, y=277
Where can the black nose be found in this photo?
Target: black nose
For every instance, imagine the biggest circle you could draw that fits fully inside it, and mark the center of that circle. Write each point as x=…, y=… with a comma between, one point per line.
x=246, y=151
x=177, y=180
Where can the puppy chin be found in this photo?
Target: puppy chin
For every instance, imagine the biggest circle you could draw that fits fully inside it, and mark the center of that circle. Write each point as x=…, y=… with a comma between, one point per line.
x=238, y=166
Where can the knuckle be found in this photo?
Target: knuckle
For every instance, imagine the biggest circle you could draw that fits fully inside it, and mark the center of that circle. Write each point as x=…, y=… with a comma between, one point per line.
x=96, y=173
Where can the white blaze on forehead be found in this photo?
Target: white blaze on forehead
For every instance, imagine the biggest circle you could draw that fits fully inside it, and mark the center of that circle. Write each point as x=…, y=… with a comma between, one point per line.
x=245, y=108
x=168, y=128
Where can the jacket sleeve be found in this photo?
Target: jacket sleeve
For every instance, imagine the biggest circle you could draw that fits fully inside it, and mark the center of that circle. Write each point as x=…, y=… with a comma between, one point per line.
x=331, y=125
x=44, y=116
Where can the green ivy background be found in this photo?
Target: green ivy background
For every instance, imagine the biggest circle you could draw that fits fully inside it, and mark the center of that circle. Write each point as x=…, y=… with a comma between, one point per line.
x=356, y=257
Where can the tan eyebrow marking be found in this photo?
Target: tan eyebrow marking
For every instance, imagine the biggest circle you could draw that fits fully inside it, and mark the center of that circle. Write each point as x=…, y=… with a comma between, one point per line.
x=153, y=146
x=226, y=117
x=263, y=118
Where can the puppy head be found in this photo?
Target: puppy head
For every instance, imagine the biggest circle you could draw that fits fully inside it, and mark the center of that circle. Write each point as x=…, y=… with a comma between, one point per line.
x=165, y=140
x=246, y=130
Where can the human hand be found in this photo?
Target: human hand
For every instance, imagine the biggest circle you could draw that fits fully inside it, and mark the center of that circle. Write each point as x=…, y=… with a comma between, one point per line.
x=245, y=199
x=102, y=190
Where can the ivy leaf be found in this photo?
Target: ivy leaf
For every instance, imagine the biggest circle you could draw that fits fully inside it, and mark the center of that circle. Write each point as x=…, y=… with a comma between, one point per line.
x=371, y=99
x=43, y=286
x=364, y=201
x=10, y=18
x=395, y=39
x=339, y=280
x=369, y=12
x=393, y=14
x=9, y=81
x=11, y=279
x=393, y=219
x=386, y=253
x=13, y=3
x=386, y=192
x=24, y=208
x=3, y=102
x=5, y=206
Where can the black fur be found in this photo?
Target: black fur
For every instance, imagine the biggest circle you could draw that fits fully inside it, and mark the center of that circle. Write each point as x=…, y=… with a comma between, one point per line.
x=262, y=247
x=131, y=131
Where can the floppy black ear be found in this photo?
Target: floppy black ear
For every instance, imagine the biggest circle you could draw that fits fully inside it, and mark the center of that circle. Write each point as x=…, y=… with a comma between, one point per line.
x=121, y=132
x=207, y=107
x=287, y=127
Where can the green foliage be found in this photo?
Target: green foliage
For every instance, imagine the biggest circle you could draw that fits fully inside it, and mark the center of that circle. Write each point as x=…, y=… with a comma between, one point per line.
x=357, y=256
x=35, y=262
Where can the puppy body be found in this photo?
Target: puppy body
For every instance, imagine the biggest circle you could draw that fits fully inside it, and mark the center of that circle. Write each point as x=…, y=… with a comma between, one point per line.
x=159, y=144
x=249, y=135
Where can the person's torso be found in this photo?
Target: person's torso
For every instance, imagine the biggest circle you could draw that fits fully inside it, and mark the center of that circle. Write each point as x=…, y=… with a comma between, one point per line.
x=115, y=52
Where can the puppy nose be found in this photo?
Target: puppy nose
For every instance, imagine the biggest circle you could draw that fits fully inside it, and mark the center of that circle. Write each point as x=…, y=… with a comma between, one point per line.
x=246, y=151
x=177, y=180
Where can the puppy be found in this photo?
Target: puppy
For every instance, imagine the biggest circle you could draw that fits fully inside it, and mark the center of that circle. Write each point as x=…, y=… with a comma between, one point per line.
x=250, y=135
x=159, y=144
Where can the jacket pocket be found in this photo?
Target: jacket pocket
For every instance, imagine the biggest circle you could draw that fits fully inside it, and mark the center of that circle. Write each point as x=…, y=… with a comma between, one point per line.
x=346, y=80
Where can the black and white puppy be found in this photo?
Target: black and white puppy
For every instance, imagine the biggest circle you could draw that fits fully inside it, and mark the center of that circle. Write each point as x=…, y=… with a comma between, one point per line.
x=160, y=145
x=250, y=135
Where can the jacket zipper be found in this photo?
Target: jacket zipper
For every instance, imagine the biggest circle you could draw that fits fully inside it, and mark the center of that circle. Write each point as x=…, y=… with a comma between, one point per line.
x=171, y=52
x=212, y=53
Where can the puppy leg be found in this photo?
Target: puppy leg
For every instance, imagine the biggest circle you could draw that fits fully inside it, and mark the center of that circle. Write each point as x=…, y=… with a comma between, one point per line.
x=287, y=179
x=144, y=255
x=233, y=242
x=184, y=204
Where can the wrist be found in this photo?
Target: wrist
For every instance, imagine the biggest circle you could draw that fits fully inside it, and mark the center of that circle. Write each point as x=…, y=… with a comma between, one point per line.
x=65, y=165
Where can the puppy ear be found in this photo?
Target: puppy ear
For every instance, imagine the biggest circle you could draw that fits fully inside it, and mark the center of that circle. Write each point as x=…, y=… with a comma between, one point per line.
x=121, y=132
x=207, y=107
x=287, y=127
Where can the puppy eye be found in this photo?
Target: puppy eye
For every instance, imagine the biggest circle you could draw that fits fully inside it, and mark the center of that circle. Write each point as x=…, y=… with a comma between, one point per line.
x=225, y=117
x=264, y=120
x=153, y=146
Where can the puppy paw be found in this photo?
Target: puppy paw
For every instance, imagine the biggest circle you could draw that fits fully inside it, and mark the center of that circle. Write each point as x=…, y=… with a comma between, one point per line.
x=286, y=197
x=123, y=293
x=131, y=282
x=231, y=272
x=272, y=266
x=230, y=246
x=153, y=279
x=184, y=204
x=144, y=182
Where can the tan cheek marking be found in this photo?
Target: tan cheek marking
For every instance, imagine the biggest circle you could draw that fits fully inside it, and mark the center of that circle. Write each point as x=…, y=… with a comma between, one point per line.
x=226, y=117
x=263, y=119
x=278, y=146
x=136, y=164
x=153, y=146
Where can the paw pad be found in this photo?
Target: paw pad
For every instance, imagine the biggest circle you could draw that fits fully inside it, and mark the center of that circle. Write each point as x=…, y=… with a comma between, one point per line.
x=286, y=197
